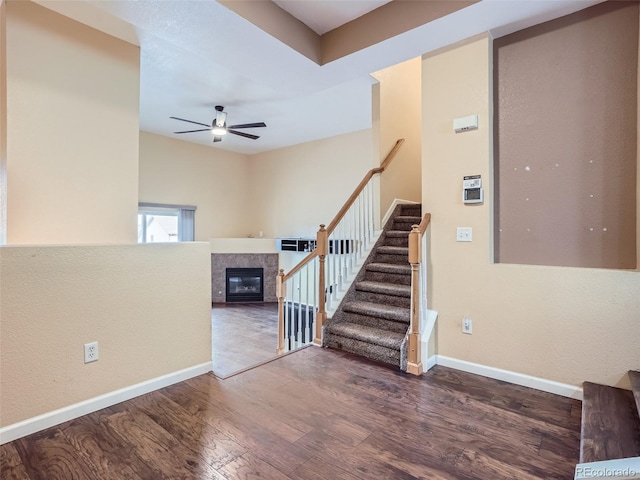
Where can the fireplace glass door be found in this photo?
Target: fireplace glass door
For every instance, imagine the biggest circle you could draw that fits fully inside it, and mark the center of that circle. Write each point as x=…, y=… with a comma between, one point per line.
x=245, y=285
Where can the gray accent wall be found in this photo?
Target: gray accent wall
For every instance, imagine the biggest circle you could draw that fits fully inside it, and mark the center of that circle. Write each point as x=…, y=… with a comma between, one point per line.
x=566, y=144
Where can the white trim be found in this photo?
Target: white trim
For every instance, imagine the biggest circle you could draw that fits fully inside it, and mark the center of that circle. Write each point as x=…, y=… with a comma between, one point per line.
x=430, y=363
x=394, y=204
x=50, y=419
x=427, y=328
x=550, y=386
x=620, y=469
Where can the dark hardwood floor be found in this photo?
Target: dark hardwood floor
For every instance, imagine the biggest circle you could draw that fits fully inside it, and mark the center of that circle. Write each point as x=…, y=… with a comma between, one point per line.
x=315, y=414
x=243, y=335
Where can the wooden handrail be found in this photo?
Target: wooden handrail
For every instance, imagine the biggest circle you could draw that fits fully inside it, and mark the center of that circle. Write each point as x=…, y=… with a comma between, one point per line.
x=299, y=266
x=424, y=223
x=346, y=207
x=391, y=155
x=341, y=213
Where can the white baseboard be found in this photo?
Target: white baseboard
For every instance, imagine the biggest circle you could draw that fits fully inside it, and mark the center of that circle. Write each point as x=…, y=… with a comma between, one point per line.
x=430, y=363
x=56, y=417
x=550, y=386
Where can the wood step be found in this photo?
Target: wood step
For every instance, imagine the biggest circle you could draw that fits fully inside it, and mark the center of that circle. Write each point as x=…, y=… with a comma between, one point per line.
x=610, y=424
x=634, y=376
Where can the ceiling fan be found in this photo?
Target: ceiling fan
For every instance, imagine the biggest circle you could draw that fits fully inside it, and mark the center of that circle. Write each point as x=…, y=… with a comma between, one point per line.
x=219, y=126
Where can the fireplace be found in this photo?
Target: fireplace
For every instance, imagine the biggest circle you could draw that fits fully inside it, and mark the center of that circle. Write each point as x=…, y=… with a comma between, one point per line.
x=245, y=284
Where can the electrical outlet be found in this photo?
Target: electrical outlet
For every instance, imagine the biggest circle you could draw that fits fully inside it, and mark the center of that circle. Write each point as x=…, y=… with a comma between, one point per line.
x=467, y=326
x=90, y=352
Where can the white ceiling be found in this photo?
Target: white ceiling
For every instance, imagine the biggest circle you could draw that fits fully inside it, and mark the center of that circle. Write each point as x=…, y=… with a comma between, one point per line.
x=196, y=54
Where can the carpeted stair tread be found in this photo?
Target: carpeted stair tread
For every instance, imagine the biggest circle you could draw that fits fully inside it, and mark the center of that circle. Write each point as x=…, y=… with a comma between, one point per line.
x=411, y=209
x=391, y=250
x=389, y=268
x=397, y=233
x=384, y=288
x=375, y=336
x=610, y=424
x=379, y=310
x=407, y=219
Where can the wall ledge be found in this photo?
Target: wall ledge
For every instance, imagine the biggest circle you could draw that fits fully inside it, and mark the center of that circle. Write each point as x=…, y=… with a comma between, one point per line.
x=56, y=417
x=516, y=378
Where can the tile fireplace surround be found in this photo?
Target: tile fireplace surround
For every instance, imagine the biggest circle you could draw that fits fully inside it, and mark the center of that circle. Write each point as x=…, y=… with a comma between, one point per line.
x=221, y=261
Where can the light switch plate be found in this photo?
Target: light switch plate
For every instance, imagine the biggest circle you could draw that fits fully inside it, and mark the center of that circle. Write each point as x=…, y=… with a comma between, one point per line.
x=464, y=234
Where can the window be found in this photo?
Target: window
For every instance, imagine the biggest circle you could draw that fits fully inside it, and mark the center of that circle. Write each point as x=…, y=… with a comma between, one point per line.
x=165, y=223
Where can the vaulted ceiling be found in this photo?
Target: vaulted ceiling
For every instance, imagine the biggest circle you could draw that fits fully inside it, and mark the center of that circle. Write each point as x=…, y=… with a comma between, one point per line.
x=302, y=67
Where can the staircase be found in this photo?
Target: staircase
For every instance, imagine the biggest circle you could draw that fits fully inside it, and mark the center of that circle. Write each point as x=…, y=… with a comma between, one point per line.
x=374, y=316
x=610, y=422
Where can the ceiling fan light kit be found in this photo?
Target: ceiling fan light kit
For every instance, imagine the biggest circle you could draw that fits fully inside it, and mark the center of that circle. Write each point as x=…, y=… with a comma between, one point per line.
x=219, y=126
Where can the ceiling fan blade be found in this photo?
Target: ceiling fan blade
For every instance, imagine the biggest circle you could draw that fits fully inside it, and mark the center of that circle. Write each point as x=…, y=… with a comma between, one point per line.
x=191, y=121
x=249, y=125
x=242, y=134
x=217, y=139
x=191, y=131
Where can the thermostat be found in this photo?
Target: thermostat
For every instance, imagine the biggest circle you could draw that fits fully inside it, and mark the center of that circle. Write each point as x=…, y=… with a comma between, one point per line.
x=472, y=189
x=464, y=124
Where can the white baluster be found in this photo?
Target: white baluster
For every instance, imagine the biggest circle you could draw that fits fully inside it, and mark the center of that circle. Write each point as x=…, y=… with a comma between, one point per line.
x=356, y=238
x=307, y=301
x=287, y=315
x=372, y=223
x=363, y=220
x=365, y=197
x=339, y=260
x=298, y=331
x=336, y=270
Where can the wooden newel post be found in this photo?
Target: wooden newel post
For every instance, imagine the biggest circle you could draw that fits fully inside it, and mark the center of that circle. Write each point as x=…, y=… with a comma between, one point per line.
x=281, y=291
x=322, y=241
x=414, y=362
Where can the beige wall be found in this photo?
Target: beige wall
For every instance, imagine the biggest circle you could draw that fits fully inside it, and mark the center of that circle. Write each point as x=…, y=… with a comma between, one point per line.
x=295, y=189
x=398, y=115
x=563, y=324
x=182, y=173
x=72, y=105
x=147, y=306
x=3, y=123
